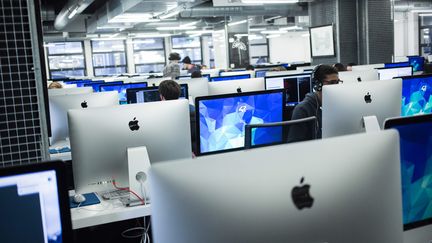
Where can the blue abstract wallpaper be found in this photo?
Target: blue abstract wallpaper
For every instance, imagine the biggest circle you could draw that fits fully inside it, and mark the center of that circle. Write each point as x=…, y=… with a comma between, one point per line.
x=416, y=96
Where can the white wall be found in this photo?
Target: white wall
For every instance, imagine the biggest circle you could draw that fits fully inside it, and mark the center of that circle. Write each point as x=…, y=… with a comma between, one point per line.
x=291, y=47
x=406, y=35
x=221, y=51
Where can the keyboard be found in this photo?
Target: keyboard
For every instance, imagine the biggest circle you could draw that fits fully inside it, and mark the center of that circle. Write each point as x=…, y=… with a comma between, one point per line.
x=115, y=194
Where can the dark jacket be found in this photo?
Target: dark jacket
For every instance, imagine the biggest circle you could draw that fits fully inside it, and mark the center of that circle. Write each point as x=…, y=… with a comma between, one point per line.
x=308, y=107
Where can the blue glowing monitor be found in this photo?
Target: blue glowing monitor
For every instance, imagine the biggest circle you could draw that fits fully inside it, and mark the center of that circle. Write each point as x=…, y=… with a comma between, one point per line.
x=121, y=89
x=417, y=62
x=151, y=94
x=397, y=64
x=227, y=78
x=79, y=83
x=416, y=167
x=416, y=95
x=221, y=119
x=260, y=73
x=96, y=84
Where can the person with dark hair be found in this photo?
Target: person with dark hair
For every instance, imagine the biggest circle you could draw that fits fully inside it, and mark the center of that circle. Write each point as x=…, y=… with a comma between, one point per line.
x=311, y=105
x=340, y=67
x=187, y=65
x=196, y=74
x=171, y=90
x=350, y=65
x=250, y=68
x=172, y=70
x=55, y=85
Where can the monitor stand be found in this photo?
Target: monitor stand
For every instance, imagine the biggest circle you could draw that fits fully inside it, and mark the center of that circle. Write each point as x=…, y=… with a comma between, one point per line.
x=138, y=168
x=371, y=124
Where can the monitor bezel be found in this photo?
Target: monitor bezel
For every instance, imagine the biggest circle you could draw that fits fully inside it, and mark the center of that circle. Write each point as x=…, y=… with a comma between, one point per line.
x=403, y=121
x=385, y=68
x=131, y=91
x=212, y=79
x=287, y=76
x=233, y=95
x=390, y=63
x=108, y=84
x=63, y=195
x=414, y=77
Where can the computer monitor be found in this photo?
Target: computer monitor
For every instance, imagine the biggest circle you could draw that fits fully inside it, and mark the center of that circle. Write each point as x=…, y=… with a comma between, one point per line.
x=121, y=89
x=416, y=149
x=416, y=95
x=344, y=106
x=236, y=73
x=34, y=204
x=283, y=73
x=100, y=138
x=150, y=94
x=196, y=86
x=358, y=76
x=296, y=86
x=417, y=62
x=79, y=83
x=228, y=78
x=394, y=72
x=236, y=86
x=260, y=73
x=96, y=84
x=221, y=119
x=60, y=104
x=367, y=67
x=397, y=64
x=338, y=190
x=70, y=91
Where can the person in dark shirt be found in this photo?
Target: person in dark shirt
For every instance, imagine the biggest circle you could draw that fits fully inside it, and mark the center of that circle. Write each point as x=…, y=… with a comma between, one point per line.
x=311, y=105
x=340, y=67
x=187, y=65
x=171, y=90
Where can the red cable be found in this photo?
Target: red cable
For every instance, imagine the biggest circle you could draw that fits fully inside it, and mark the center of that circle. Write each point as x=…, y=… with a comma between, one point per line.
x=128, y=190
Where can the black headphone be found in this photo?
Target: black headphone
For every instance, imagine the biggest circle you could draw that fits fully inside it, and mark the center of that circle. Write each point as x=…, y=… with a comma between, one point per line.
x=317, y=78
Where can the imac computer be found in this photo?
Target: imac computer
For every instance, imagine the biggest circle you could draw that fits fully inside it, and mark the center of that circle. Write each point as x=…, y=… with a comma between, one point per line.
x=150, y=94
x=349, y=77
x=367, y=67
x=416, y=166
x=396, y=64
x=336, y=190
x=417, y=62
x=69, y=91
x=100, y=138
x=296, y=86
x=394, y=72
x=235, y=73
x=229, y=78
x=34, y=204
x=121, y=89
x=236, y=86
x=221, y=119
x=283, y=73
x=60, y=104
x=416, y=95
x=344, y=106
x=96, y=85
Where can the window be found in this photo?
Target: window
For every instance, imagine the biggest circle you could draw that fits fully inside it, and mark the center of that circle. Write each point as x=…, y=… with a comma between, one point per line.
x=66, y=59
x=149, y=55
x=188, y=46
x=109, y=57
x=425, y=35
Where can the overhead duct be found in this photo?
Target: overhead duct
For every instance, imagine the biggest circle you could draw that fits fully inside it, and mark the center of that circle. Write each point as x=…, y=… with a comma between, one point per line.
x=70, y=12
x=406, y=6
x=289, y=10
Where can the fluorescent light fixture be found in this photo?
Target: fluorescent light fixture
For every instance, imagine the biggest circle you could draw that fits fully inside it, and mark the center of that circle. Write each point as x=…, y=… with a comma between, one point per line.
x=238, y=22
x=255, y=37
x=177, y=28
x=195, y=35
x=194, y=32
x=133, y=18
x=269, y=1
x=146, y=41
x=257, y=29
x=291, y=28
x=73, y=13
x=271, y=32
x=272, y=36
x=190, y=24
x=169, y=15
x=151, y=35
x=108, y=38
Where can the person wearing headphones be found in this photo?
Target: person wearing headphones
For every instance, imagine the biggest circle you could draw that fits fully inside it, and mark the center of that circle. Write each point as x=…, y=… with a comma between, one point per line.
x=311, y=105
x=172, y=70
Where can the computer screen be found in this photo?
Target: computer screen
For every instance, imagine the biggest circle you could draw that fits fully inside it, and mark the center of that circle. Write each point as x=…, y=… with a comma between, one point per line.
x=416, y=167
x=96, y=84
x=121, y=89
x=260, y=73
x=151, y=94
x=227, y=78
x=221, y=119
x=397, y=64
x=296, y=86
x=417, y=62
x=32, y=208
x=394, y=72
x=416, y=95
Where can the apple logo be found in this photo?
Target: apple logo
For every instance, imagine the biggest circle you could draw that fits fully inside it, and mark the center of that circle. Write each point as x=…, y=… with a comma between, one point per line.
x=359, y=79
x=84, y=104
x=368, y=98
x=133, y=125
x=301, y=196
x=239, y=90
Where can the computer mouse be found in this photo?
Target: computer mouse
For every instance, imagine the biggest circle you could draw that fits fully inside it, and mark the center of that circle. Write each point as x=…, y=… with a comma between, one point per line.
x=79, y=198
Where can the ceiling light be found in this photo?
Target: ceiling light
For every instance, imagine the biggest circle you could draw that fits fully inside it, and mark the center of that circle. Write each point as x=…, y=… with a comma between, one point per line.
x=150, y=35
x=194, y=32
x=261, y=2
x=195, y=35
x=255, y=37
x=133, y=18
x=73, y=13
x=169, y=15
x=237, y=23
x=177, y=28
x=190, y=24
x=291, y=28
x=272, y=36
x=421, y=11
x=108, y=39
x=257, y=29
x=274, y=32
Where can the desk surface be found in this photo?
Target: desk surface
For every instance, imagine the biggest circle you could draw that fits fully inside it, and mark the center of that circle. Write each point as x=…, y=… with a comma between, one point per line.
x=106, y=212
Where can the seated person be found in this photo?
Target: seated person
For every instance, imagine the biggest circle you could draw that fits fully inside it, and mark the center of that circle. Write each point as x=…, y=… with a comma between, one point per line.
x=250, y=68
x=311, y=105
x=350, y=65
x=196, y=74
x=340, y=67
x=55, y=85
x=171, y=90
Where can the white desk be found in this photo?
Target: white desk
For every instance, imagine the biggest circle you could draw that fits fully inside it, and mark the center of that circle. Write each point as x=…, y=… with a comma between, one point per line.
x=106, y=212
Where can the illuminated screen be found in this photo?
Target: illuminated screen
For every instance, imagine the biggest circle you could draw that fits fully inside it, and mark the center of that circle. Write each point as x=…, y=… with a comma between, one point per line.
x=390, y=73
x=397, y=64
x=222, y=121
x=227, y=78
x=416, y=167
x=121, y=89
x=296, y=86
x=417, y=63
x=416, y=95
x=260, y=74
x=96, y=85
x=151, y=94
x=30, y=208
